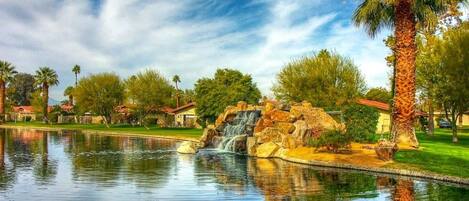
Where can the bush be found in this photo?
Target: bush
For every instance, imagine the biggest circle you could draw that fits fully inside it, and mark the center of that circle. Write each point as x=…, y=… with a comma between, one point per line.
x=53, y=117
x=149, y=121
x=27, y=118
x=333, y=140
x=361, y=122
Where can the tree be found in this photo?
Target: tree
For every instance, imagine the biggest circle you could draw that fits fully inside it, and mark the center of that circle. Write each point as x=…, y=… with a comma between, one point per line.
x=46, y=77
x=20, y=89
x=68, y=92
x=325, y=79
x=403, y=16
x=188, y=96
x=101, y=94
x=77, y=70
x=176, y=80
x=151, y=98
x=379, y=94
x=226, y=88
x=7, y=71
x=453, y=89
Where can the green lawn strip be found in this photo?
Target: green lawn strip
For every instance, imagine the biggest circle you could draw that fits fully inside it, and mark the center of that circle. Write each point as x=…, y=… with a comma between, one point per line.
x=125, y=129
x=438, y=154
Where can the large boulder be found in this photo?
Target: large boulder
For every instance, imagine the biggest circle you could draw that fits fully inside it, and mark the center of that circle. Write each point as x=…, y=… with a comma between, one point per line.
x=251, y=144
x=240, y=144
x=187, y=147
x=209, y=138
x=263, y=123
x=288, y=142
x=269, y=134
x=301, y=132
x=277, y=115
x=267, y=150
x=314, y=117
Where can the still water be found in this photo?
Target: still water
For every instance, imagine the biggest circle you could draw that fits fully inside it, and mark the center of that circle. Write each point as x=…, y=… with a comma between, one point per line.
x=36, y=165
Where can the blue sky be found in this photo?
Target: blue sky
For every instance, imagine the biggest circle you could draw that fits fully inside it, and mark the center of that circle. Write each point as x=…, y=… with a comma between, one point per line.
x=191, y=38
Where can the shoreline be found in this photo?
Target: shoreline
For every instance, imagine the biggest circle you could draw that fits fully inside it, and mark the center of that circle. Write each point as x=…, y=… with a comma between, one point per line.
x=382, y=170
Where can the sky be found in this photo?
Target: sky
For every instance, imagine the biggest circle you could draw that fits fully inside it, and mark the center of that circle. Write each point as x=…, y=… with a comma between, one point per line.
x=190, y=38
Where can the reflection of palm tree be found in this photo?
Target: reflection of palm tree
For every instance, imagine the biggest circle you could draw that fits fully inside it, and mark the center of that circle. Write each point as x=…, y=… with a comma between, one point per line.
x=2, y=148
x=44, y=171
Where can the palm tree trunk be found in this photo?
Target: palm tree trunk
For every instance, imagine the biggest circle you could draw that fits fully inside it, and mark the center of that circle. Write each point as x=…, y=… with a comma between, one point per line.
x=431, y=124
x=404, y=99
x=2, y=99
x=76, y=79
x=404, y=190
x=177, y=95
x=45, y=101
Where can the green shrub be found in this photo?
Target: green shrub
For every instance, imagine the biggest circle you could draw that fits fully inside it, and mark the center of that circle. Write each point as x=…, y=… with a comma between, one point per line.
x=361, y=122
x=53, y=117
x=27, y=118
x=333, y=140
x=149, y=121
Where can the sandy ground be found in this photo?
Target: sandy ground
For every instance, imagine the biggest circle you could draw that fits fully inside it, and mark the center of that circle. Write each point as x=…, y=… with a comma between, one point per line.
x=361, y=154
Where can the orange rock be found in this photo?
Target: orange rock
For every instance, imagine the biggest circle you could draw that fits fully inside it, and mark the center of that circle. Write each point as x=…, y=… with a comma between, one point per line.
x=242, y=105
x=278, y=115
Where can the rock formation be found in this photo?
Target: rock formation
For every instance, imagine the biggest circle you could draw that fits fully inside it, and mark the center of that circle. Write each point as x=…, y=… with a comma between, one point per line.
x=265, y=129
x=187, y=147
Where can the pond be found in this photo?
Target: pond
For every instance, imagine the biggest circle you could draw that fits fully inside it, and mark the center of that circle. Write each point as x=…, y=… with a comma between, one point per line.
x=37, y=165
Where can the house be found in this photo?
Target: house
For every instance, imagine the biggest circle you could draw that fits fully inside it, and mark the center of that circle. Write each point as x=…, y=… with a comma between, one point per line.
x=384, y=109
x=384, y=120
x=185, y=116
x=26, y=113
x=463, y=120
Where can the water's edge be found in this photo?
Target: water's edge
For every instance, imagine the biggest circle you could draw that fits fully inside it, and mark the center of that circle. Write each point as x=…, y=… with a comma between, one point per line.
x=399, y=172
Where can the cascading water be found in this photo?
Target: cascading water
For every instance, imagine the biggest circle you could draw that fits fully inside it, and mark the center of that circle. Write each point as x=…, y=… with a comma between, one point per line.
x=238, y=129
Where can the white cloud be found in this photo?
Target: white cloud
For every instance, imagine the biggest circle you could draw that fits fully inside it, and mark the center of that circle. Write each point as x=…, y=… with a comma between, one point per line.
x=128, y=36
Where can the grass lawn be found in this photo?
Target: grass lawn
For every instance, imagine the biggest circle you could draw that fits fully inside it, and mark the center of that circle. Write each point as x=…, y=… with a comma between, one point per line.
x=173, y=132
x=438, y=154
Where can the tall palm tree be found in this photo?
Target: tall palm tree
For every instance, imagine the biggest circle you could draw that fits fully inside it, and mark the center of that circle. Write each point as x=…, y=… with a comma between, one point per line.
x=46, y=77
x=69, y=93
x=403, y=16
x=77, y=70
x=7, y=71
x=176, y=80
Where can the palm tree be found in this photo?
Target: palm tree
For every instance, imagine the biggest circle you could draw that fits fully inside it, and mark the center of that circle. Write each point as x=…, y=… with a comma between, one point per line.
x=46, y=77
x=176, y=80
x=77, y=70
x=403, y=16
x=7, y=71
x=69, y=93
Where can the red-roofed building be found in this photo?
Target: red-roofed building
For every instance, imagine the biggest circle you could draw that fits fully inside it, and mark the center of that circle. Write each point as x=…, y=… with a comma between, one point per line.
x=185, y=115
x=24, y=112
x=384, y=121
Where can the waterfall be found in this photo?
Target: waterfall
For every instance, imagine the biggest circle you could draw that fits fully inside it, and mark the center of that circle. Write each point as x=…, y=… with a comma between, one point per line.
x=241, y=126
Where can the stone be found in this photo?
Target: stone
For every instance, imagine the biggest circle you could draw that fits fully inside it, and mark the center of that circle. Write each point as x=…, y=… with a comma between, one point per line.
x=187, y=147
x=251, y=144
x=284, y=127
x=267, y=150
x=300, y=133
x=278, y=115
x=240, y=144
x=241, y=105
x=207, y=139
x=263, y=123
x=269, y=134
x=288, y=142
x=269, y=106
x=386, y=150
x=315, y=117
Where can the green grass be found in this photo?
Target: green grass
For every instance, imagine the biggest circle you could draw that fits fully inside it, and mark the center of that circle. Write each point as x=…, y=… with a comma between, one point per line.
x=438, y=154
x=124, y=129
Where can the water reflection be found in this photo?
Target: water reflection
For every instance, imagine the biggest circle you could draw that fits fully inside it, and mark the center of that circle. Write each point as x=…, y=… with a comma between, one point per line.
x=75, y=166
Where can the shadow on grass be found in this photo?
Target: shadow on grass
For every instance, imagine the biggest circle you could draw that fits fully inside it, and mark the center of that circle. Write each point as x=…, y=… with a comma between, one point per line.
x=444, y=164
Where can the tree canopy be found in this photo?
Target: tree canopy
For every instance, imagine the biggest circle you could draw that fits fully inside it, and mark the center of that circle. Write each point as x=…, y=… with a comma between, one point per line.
x=150, y=91
x=20, y=89
x=226, y=88
x=379, y=94
x=326, y=79
x=100, y=94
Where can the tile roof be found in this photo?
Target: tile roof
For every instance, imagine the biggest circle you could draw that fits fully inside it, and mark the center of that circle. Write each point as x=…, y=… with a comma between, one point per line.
x=375, y=104
x=181, y=108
